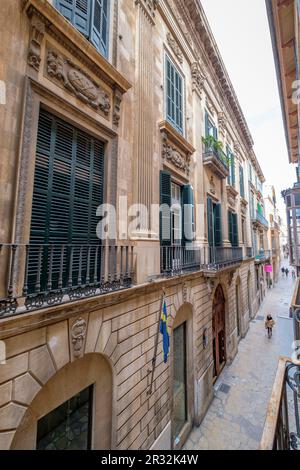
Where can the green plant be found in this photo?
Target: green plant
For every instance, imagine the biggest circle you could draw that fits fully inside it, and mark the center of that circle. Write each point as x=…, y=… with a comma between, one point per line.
x=213, y=144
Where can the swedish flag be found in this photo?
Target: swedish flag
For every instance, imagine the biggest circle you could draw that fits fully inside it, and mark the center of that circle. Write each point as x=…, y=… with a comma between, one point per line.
x=164, y=329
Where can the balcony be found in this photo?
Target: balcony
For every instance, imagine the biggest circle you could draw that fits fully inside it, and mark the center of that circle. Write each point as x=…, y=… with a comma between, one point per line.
x=263, y=255
x=216, y=160
x=282, y=426
x=260, y=221
x=177, y=260
x=40, y=276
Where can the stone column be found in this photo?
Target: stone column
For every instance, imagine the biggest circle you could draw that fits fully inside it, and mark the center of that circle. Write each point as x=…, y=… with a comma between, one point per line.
x=147, y=243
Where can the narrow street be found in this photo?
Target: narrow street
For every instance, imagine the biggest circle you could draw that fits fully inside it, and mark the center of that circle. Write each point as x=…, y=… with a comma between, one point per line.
x=236, y=417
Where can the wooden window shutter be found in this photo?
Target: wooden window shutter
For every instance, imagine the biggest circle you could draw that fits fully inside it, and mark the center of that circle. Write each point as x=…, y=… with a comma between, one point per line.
x=210, y=226
x=68, y=188
x=188, y=213
x=78, y=12
x=218, y=225
x=230, y=227
x=165, y=212
x=100, y=26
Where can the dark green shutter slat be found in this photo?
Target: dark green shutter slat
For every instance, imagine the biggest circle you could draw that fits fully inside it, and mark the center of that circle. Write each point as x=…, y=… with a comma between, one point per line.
x=242, y=185
x=188, y=213
x=230, y=227
x=82, y=16
x=235, y=230
x=68, y=188
x=174, y=96
x=165, y=216
x=218, y=225
x=206, y=124
x=210, y=233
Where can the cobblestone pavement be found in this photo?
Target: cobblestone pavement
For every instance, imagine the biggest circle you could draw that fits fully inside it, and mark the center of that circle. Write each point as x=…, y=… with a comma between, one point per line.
x=236, y=419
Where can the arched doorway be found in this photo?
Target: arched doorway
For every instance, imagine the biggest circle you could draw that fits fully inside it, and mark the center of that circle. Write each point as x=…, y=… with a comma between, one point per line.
x=72, y=411
x=219, y=332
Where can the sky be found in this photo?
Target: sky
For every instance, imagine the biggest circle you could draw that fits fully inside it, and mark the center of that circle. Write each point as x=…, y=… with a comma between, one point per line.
x=241, y=30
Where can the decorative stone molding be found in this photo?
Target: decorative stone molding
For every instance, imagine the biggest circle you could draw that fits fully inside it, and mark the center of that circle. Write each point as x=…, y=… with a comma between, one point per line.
x=149, y=7
x=222, y=121
x=117, y=107
x=176, y=151
x=244, y=205
x=232, y=194
x=78, y=82
x=212, y=186
x=237, y=148
x=230, y=278
x=175, y=48
x=198, y=78
x=78, y=334
x=210, y=106
x=37, y=32
x=184, y=292
x=210, y=284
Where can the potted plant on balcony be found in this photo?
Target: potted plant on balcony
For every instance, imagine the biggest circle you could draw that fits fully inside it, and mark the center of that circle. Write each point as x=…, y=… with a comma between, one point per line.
x=216, y=146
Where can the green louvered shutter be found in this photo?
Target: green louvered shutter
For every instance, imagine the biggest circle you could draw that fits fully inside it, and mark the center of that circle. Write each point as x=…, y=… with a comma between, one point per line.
x=78, y=12
x=188, y=213
x=242, y=183
x=233, y=170
x=218, y=225
x=230, y=227
x=100, y=18
x=165, y=213
x=235, y=230
x=68, y=188
x=210, y=224
x=206, y=124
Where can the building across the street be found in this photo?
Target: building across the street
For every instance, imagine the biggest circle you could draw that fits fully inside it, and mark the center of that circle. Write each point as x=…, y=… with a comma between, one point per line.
x=118, y=107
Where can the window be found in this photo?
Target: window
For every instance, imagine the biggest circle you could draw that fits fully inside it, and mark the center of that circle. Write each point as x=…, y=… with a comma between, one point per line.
x=242, y=182
x=210, y=128
x=174, y=96
x=90, y=17
x=68, y=188
x=233, y=229
x=177, y=223
x=231, y=160
x=69, y=426
x=214, y=223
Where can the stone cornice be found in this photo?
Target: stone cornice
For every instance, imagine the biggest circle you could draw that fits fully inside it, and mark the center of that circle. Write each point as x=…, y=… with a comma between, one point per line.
x=72, y=39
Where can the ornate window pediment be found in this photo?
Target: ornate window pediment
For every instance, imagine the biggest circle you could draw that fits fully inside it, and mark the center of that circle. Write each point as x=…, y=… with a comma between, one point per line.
x=176, y=151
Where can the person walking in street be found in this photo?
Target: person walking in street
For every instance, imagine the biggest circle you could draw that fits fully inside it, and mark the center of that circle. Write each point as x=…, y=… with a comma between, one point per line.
x=294, y=274
x=269, y=325
x=287, y=272
x=283, y=271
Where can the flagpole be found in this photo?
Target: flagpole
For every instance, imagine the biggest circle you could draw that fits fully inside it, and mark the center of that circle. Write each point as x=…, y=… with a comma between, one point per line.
x=156, y=345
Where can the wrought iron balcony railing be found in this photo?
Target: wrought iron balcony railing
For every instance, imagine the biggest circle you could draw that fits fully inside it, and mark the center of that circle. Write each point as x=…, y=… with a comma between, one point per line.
x=38, y=276
x=282, y=426
x=260, y=219
x=263, y=255
x=216, y=160
x=176, y=260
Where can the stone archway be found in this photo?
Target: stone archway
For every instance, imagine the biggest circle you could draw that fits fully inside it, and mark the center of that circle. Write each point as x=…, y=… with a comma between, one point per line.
x=94, y=371
x=219, y=331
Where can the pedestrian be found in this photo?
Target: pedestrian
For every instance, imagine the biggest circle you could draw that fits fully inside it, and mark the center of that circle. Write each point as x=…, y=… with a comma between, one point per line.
x=294, y=274
x=287, y=272
x=283, y=271
x=269, y=325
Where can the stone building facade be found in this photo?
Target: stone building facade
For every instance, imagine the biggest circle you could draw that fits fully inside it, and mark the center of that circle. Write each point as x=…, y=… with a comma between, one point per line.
x=109, y=101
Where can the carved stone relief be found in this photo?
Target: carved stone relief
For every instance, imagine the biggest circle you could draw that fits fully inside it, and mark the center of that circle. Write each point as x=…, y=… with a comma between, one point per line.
x=173, y=156
x=210, y=106
x=198, y=78
x=37, y=32
x=175, y=48
x=117, y=107
x=149, y=7
x=78, y=334
x=75, y=80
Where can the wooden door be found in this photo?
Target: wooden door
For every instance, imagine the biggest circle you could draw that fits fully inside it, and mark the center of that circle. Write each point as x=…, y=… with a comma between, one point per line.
x=219, y=333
